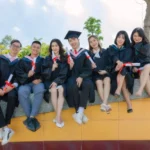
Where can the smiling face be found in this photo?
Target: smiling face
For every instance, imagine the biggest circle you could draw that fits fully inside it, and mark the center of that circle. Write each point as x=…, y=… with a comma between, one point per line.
x=15, y=48
x=35, y=49
x=94, y=43
x=74, y=43
x=137, y=38
x=55, y=48
x=120, y=40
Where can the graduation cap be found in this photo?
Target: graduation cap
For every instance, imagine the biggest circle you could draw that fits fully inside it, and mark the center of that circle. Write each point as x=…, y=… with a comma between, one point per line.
x=72, y=34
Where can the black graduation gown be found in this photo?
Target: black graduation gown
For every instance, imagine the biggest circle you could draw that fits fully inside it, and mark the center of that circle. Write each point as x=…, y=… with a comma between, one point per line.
x=23, y=68
x=141, y=53
x=101, y=63
x=82, y=68
x=59, y=75
x=125, y=55
x=6, y=68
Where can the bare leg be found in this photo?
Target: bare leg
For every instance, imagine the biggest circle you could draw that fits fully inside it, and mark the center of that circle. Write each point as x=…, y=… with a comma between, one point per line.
x=99, y=85
x=120, y=80
x=126, y=95
x=143, y=79
x=106, y=89
x=60, y=104
x=53, y=91
x=147, y=86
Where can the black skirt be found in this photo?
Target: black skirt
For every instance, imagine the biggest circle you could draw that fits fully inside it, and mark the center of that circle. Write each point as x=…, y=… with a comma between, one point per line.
x=128, y=78
x=47, y=93
x=100, y=77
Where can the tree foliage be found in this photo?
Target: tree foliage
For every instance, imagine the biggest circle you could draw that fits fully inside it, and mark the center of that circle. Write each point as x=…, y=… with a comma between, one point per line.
x=93, y=27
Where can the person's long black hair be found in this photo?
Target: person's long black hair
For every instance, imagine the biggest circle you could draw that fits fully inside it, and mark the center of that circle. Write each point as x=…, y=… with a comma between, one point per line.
x=127, y=40
x=61, y=49
x=141, y=33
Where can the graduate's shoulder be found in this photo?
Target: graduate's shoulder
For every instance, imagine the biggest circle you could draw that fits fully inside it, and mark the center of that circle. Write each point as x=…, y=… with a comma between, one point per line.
x=3, y=57
x=25, y=58
x=110, y=48
x=47, y=59
x=83, y=50
x=40, y=58
x=146, y=46
x=129, y=48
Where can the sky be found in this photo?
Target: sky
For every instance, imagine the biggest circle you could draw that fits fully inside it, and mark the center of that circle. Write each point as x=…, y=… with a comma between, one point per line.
x=48, y=19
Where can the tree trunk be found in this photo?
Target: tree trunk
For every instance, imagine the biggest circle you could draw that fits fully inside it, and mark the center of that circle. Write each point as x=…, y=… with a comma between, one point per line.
x=147, y=20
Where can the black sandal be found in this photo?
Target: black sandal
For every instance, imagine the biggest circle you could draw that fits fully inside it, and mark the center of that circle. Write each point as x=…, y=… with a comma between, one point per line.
x=130, y=110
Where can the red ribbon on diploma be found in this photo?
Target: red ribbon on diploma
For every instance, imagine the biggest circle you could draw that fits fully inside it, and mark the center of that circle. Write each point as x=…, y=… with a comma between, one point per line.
x=88, y=57
x=69, y=59
x=33, y=65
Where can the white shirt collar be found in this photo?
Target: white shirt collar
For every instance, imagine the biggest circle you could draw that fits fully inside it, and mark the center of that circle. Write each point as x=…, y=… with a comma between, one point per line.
x=96, y=53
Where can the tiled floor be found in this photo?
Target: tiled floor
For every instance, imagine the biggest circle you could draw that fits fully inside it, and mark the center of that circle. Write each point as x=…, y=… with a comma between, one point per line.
x=116, y=126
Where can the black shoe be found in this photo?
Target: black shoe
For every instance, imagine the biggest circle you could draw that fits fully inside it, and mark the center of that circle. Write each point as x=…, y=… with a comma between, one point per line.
x=129, y=110
x=37, y=124
x=25, y=121
x=31, y=124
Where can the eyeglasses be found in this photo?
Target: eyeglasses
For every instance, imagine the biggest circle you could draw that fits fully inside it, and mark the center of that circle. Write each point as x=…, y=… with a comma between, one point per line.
x=15, y=46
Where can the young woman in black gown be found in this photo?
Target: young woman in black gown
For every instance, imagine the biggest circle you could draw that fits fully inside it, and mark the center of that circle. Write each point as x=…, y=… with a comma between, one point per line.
x=54, y=72
x=141, y=49
x=121, y=77
x=100, y=75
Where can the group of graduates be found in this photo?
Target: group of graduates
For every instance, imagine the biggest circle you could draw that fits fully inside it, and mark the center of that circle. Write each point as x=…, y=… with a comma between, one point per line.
x=72, y=75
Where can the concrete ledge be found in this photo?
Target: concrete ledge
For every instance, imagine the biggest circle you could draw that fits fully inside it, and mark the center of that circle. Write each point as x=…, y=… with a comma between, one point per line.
x=45, y=107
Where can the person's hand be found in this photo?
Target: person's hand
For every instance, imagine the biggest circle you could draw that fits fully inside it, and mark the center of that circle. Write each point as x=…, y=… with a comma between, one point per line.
x=79, y=81
x=53, y=85
x=7, y=89
x=102, y=72
x=93, y=66
x=71, y=64
x=117, y=68
x=36, y=81
x=119, y=65
x=31, y=73
x=2, y=92
x=55, y=65
x=135, y=69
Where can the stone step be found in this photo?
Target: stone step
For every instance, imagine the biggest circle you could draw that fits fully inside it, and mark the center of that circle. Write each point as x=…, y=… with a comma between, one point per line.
x=47, y=107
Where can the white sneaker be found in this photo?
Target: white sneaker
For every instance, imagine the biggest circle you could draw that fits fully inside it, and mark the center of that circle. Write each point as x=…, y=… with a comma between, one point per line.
x=78, y=117
x=7, y=134
x=84, y=118
x=1, y=134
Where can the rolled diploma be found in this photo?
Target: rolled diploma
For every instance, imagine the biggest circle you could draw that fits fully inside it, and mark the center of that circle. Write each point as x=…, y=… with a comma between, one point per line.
x=10, y=77
x=68, y=53
x=88, y=56
x=132, y=64
x=53, y=56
